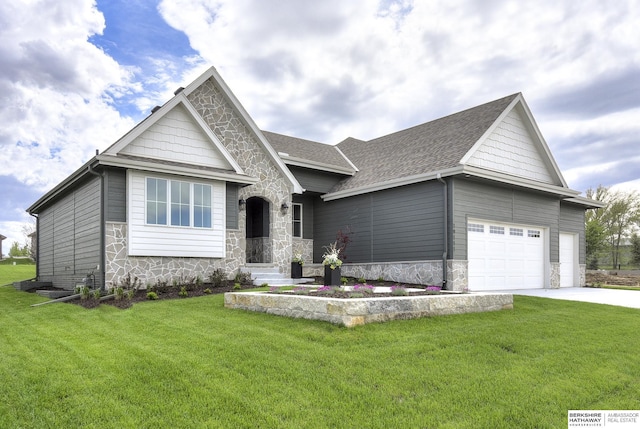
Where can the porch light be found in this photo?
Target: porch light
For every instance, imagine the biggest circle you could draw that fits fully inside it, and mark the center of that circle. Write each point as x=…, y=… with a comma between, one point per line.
x=242, y=203
x=284, y=208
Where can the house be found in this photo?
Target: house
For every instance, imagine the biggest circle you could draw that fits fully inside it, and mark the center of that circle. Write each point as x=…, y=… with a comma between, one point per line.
x=472, y=200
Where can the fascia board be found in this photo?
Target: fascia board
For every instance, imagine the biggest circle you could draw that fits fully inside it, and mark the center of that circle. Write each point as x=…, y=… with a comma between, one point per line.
x=248, y=121
x=587, y=202
x=518, y=181
x=114, y=161
x=299, y=162
x=410, y=180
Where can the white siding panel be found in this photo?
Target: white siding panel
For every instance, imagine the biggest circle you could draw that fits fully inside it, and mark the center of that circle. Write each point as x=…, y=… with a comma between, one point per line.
x=510, y=149
x=177, y=137
x=159, y=240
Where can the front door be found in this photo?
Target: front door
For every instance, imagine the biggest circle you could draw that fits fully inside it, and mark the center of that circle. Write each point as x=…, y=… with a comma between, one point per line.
x=257, y=227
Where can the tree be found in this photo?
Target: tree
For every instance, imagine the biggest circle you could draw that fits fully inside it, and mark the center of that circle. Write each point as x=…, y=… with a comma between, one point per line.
x=16, y=250
x=616, y=220
x=635, y=249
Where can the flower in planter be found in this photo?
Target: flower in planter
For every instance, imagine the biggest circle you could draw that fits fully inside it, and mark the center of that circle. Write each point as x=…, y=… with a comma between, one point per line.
x=297, y=258
x=331, y=257
x=398, y=290
x=364, y=289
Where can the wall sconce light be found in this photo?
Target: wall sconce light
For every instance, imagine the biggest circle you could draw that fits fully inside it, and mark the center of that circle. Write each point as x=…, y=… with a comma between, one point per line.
x=284, y=208
x=242, y=203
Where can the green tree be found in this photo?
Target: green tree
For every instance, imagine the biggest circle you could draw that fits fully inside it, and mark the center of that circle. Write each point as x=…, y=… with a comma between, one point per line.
x=635, y=249
x=16, y=250
x=615, y=220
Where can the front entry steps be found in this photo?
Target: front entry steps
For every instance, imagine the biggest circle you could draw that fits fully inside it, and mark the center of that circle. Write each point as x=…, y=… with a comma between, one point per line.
x=269, y=274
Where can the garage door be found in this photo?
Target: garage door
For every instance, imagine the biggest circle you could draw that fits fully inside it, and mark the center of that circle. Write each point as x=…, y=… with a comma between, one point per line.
x=503, y=256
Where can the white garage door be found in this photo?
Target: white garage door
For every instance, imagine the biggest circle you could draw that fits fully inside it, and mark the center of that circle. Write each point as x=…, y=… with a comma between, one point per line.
x=503, y=256
x=568, y=260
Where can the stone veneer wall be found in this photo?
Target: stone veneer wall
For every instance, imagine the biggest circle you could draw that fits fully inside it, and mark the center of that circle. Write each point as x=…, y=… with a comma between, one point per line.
x=418, y=272
x=554, y=278
x=303, y=247
x=229, y=127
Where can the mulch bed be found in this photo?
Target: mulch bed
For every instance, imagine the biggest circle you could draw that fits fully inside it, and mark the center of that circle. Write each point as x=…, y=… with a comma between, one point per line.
x=614, y=280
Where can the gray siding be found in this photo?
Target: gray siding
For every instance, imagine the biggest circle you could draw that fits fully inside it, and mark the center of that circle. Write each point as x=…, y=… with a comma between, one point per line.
x=70, y=236
x=315, y=181
x=572, y=220
x=490, y=202
x=400, y=224
x=307, y=202
x=116, y=191
x=232, y=206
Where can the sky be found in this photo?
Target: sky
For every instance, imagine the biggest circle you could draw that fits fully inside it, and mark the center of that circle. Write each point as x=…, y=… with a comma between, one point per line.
x=76, y=75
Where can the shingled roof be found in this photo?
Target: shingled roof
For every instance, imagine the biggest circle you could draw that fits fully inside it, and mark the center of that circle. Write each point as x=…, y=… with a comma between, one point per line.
x=308, y=153
x=430, y=147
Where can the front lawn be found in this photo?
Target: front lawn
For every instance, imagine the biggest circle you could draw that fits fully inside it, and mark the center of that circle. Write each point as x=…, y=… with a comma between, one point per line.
x=193, y=363
x=10, y=273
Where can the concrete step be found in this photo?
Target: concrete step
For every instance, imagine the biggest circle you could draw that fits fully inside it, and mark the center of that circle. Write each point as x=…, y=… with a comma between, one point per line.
x=271, y=275
x=54, y=294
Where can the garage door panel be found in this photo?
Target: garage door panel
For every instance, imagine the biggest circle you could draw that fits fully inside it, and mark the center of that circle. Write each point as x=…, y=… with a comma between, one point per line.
x=503, y=256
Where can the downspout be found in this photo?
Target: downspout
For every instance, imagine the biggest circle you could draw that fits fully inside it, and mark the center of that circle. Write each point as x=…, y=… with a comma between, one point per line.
x=102, y=227
x=445, y=252
x=37, y=255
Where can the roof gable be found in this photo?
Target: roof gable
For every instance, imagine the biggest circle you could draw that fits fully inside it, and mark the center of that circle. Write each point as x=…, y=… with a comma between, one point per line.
x=176, y=133
x=513, y=145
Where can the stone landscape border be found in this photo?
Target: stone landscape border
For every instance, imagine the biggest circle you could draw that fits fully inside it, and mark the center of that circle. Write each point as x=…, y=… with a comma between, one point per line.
x=359, y=311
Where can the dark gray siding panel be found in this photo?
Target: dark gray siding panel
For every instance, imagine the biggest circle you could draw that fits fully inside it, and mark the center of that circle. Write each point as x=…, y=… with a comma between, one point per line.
x=483, y=201
x=400, y=224
x=70, y=236
x=572, y=220
x=314, y=180
x=232, y=206
x=116, y=190
x=307, y=202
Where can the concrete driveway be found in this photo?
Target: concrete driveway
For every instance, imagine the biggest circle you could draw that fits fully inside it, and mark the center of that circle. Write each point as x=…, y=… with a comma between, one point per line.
x=622, y=298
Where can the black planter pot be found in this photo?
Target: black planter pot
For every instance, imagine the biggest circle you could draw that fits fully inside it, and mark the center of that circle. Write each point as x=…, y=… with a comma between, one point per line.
x=296, y=270
x=331, y=277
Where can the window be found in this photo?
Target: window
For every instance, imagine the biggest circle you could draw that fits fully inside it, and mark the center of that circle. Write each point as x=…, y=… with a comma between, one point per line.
x=178, y=203
x=516, y=231
x=201, y=206
x=156, y=201
x=532, y=233
x=297, y=220
x=496, y=230
x=475, y=227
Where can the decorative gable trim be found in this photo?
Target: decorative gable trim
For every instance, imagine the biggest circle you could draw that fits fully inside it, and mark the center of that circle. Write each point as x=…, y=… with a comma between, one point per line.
x=296, y=188
x=178, y=100
x=519, y=106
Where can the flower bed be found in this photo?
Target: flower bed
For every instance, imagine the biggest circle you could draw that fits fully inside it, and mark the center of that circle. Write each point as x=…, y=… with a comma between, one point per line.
x=359, y=311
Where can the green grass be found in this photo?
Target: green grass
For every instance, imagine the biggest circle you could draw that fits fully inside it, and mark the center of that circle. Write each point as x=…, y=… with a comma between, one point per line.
x=10, y=273
x=193, y=363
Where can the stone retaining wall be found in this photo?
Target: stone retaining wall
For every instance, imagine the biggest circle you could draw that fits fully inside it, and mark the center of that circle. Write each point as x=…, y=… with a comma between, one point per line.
x=359, y=311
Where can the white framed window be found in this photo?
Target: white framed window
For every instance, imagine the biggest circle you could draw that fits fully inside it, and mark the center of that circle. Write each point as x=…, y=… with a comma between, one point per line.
x=533, y=233
x=297, y=220
x=178, y=203
x=518, y=232
x=475, y=227
x=493, y=229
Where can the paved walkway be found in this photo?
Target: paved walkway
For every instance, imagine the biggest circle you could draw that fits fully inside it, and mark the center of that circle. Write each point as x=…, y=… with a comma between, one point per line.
x=622, y=298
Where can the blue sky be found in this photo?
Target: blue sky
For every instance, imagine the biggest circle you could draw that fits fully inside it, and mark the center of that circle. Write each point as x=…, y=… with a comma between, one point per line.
x=76, y=75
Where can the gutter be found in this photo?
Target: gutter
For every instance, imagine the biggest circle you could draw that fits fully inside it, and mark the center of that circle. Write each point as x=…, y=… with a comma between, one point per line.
x=103, y=258
x=445, y=251
x=37, y=255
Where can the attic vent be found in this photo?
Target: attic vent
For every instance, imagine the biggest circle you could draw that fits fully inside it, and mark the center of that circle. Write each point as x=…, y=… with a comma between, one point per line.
x=178, y=91
x=155, y=109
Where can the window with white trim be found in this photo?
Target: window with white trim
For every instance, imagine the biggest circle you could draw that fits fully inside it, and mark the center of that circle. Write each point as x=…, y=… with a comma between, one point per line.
x=475, y=227
x=518, y=232
x=178, y=203
x=297, y=220
x=493, y=229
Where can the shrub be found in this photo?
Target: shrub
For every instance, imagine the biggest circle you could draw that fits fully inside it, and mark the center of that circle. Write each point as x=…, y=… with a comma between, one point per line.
x=398, y=290
x=183, y=292
x=207, y=291
x=244, y=278
x=301, y=290
x=218, y=278
x=152, y=296
x=343, y=280
x=364, y=289
x=96, y=294
x=84, y=292
x=362, y=280
x=237, y=286
x=275, y=289
x=118, y=293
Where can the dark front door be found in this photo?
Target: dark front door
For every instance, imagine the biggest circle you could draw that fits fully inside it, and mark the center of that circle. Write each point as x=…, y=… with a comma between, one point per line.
x=258, y=241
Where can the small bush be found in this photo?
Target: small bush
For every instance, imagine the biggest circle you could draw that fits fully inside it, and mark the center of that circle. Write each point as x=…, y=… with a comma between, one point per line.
x=118, y=293
x=343, y=280
x=244, y=278
x=362, y=280
x=207, y=291
x=237, y=286
x=183, y=292
x=96, y=294
x=152, y=296
x=218, y=278
x=85, y=292
x=398, y=290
